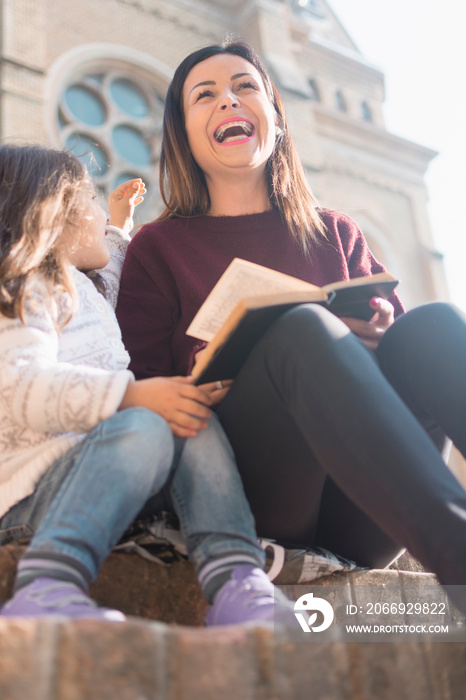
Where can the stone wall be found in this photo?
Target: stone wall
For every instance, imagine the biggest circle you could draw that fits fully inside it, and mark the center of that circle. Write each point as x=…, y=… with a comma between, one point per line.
x=138, y=660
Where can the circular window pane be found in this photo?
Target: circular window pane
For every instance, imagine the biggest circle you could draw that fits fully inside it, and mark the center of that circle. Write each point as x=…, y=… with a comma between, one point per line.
x=129, y=98
x=131, y=145
x=91, y=154
x=85, y=105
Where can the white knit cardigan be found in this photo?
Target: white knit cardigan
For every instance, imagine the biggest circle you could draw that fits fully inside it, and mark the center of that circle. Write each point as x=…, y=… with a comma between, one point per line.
x=56, y=387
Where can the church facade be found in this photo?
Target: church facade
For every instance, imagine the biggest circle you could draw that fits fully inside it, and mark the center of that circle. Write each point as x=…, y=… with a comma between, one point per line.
x=92, y=76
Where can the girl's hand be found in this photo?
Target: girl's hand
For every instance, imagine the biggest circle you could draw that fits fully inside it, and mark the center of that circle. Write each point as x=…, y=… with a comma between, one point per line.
x=371, y=332
x=184, y=406
x=123, y=201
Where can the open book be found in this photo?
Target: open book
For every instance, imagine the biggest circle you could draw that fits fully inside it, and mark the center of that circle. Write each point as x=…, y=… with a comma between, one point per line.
x=248, y=298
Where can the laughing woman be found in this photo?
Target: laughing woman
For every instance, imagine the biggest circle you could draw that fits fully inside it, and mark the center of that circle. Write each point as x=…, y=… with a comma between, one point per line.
x=338, y=427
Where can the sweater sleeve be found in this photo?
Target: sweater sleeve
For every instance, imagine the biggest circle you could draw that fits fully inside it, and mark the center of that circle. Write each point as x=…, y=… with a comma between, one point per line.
x=117, y=242
x=42, y=394
x=359, y=258
x=147, y=319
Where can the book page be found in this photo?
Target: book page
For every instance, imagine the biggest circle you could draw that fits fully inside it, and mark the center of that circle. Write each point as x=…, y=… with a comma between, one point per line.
x=241, y=279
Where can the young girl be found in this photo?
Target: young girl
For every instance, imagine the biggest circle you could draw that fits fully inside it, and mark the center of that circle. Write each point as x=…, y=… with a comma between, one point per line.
x=84, y=447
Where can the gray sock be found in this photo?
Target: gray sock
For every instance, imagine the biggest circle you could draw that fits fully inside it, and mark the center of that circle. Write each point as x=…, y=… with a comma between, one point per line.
x=213, y=575
x=34, y=565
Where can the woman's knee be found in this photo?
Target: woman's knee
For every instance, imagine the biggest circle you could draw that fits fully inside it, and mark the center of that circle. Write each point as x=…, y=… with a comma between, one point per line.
x=308, y=326
x=429, y=318
x=424, y=330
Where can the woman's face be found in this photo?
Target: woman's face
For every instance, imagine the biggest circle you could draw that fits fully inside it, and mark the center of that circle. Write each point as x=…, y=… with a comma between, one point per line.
x=230, y=122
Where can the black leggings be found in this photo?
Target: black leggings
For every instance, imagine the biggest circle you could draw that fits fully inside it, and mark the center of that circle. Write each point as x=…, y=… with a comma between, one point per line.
x=340, y=447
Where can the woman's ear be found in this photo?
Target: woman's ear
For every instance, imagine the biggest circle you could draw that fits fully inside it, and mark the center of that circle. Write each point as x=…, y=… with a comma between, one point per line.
x=279, y=124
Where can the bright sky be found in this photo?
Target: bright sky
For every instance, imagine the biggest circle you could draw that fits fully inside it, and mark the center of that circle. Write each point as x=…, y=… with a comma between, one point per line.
x=420, y=47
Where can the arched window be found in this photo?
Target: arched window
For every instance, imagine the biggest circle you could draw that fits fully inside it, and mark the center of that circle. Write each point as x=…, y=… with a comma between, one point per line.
x=366, y=112
x=108, y=110
x=340, y=102
x=315, y=92
x=113, y=122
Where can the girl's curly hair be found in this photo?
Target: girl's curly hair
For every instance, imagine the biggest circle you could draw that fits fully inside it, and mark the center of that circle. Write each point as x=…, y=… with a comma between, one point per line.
x=40, y=194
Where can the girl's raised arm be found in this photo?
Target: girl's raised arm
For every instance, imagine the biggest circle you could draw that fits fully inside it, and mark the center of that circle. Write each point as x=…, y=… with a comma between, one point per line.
x=122, y=202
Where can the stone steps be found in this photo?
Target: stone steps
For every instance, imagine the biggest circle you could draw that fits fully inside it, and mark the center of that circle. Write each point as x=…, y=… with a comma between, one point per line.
x=175, y=658
x=139, y=660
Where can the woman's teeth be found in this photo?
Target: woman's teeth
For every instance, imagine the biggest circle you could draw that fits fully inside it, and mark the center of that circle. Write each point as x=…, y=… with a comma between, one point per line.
x=233, y=131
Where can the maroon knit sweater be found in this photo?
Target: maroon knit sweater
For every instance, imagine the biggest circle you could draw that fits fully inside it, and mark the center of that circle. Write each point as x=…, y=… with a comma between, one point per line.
x=171, y=266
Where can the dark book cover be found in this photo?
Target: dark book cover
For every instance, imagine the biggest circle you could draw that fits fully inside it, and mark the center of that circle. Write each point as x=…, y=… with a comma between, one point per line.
x=345, y=301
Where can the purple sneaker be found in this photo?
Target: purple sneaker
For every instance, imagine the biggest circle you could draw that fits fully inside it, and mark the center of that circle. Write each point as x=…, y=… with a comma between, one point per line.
x=249, y=596
x=46, y=597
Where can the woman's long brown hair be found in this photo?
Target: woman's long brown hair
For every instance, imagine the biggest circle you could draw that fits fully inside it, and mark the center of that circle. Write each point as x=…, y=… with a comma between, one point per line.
x=182, y=182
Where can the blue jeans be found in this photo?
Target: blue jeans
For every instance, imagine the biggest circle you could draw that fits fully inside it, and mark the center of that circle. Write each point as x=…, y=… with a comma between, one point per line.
x=84, y=503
